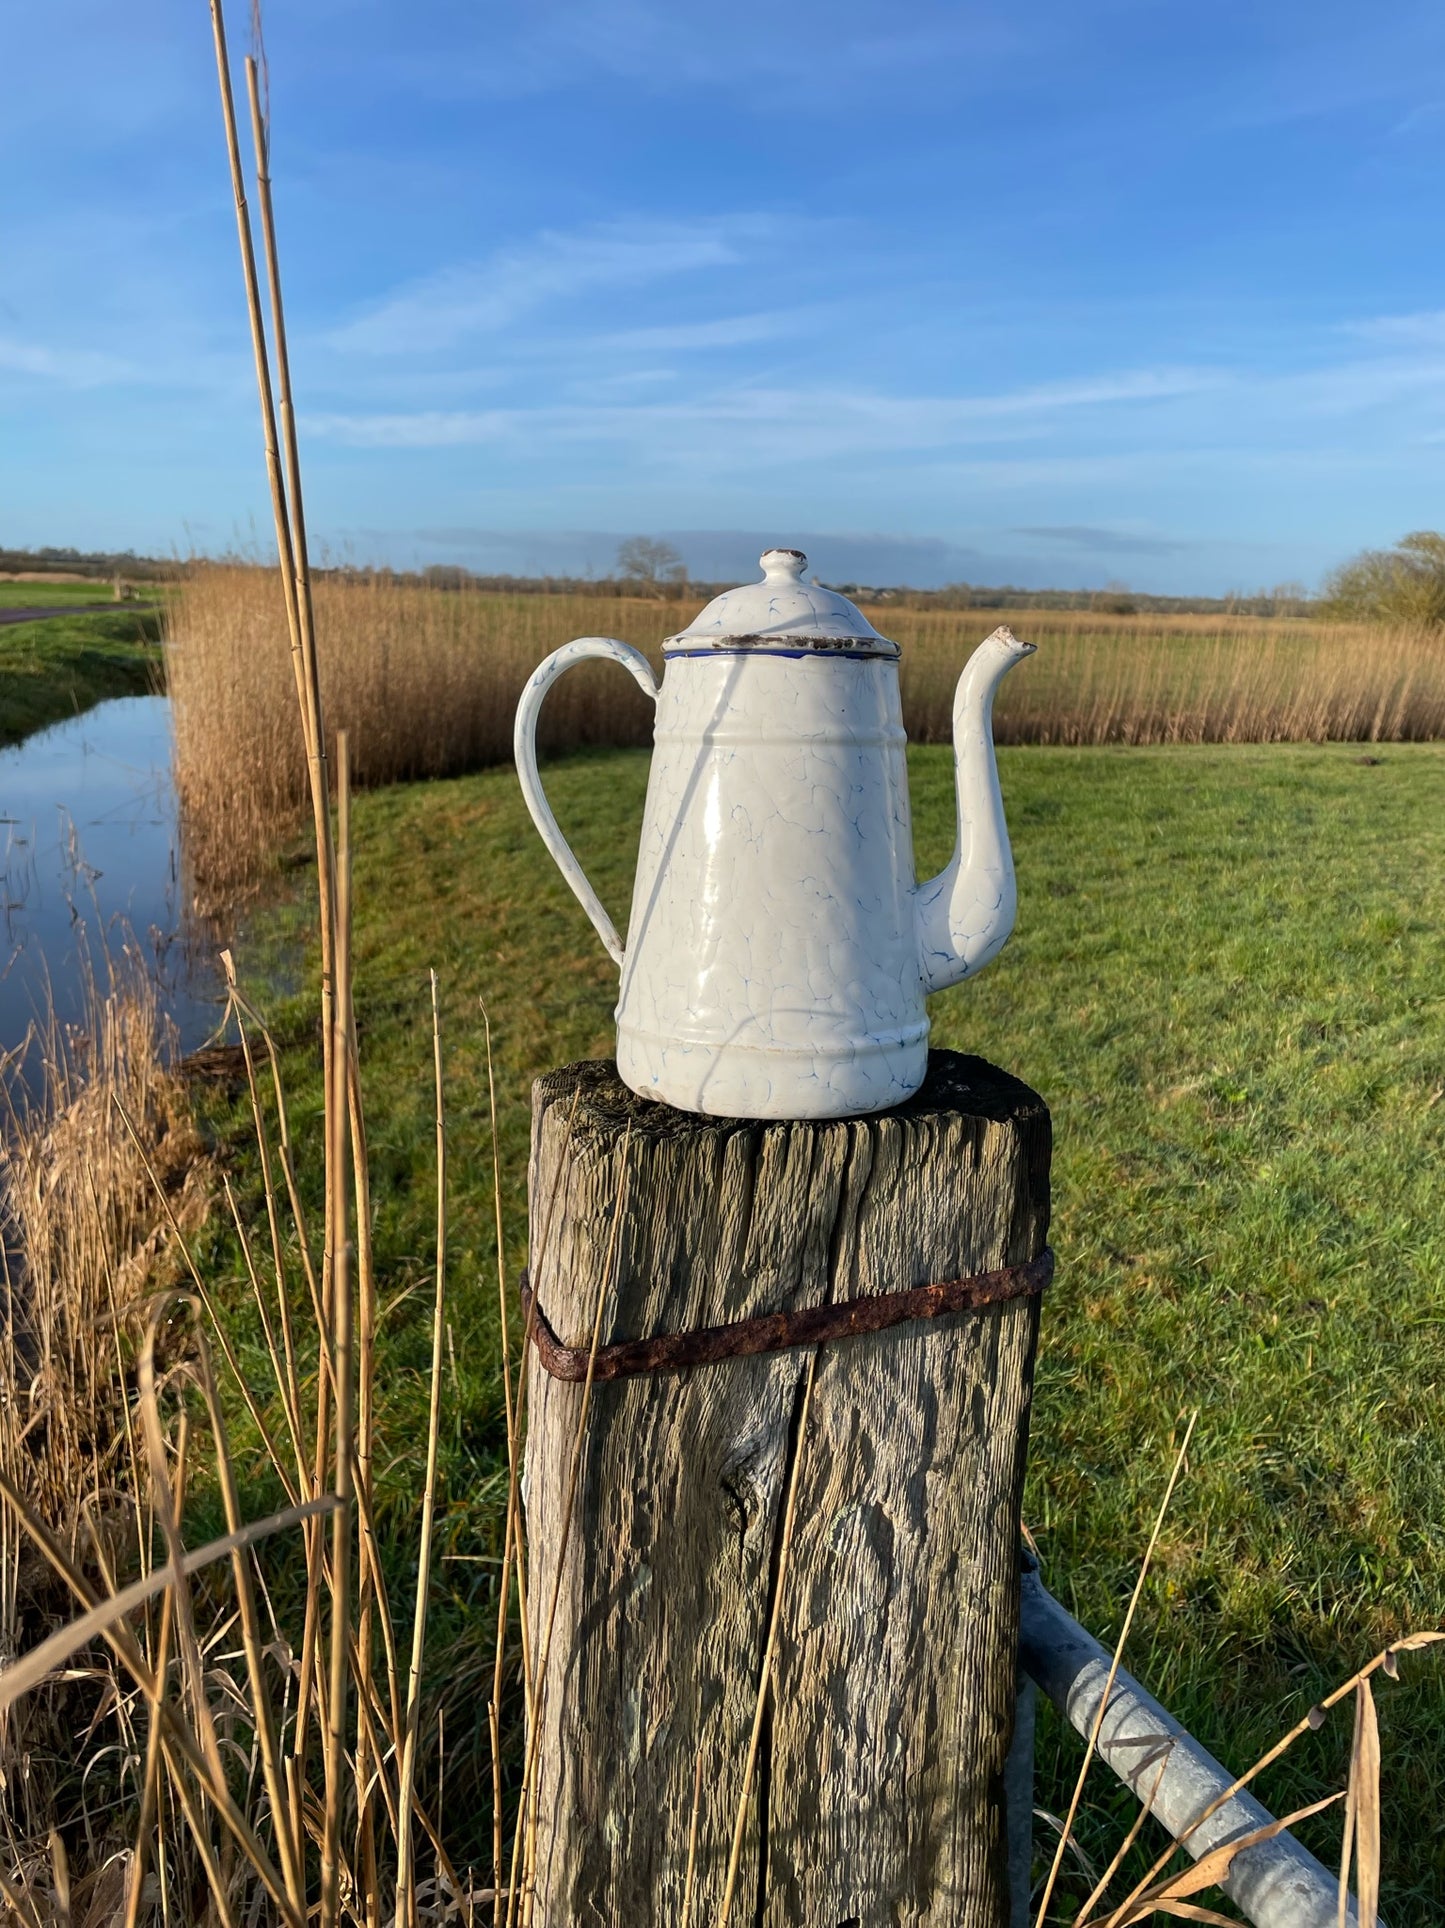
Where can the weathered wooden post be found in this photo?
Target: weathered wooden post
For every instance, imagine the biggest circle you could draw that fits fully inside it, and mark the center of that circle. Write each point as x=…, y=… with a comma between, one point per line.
x=878, y=1791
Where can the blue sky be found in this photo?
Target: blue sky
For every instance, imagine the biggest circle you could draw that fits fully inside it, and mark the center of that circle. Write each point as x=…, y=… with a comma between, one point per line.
x=1068, y=292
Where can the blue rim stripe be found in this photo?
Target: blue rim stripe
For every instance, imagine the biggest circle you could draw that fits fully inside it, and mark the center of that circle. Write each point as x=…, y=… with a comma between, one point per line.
x=793, y=655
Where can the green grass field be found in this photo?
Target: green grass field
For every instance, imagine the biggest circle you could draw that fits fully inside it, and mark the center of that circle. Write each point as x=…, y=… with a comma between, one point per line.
x=1227, y=981
x=56, y=667
x=37, y=595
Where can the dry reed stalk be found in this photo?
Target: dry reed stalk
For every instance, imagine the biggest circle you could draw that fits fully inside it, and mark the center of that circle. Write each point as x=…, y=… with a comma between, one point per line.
x=494, y=1738
x=188, y=1648
x=1312, y=1721
x=344, y=1129
x=57, y=1648
x=1362, y=1811
x=1066, y=1834
x=1170, y=1897
x=288, y=502
x=289, y=515
x=310, y=1477
x=382, y=1743
x=344, y=1124
x=288, y=1844
x=514, y=1548
x=770, y=1648
x=203, y=1292
x=187, y=1758
x=286, y=1386
x=511, y=1407
x=245, y=1011
x=1121, y=1853
x=372, y=1604
x=160, y=1664
x=405, y=1873
x=192, y=1729
x=287, y=1381
x=337, y=1147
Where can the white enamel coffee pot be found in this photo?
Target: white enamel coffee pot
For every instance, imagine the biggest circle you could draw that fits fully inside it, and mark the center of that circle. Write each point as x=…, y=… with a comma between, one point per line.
x=779, y=950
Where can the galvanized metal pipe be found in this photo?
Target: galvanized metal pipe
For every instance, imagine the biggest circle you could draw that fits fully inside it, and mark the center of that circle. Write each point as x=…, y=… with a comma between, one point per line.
x=1277, y=1883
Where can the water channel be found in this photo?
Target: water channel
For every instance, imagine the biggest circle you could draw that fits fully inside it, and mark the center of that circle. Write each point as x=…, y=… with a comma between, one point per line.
x=90, y=855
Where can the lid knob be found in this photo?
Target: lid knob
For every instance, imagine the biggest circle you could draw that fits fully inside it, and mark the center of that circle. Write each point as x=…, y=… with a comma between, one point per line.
x=783, y=565
x=784, y=615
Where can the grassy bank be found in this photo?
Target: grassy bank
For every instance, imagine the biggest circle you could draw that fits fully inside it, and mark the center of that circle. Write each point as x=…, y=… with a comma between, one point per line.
x=27, y=592
x=1226, y=982
x=425, y=683
x=66, y=663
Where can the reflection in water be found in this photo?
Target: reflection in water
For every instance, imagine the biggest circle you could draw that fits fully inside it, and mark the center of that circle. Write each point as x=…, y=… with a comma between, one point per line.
x=89, y=848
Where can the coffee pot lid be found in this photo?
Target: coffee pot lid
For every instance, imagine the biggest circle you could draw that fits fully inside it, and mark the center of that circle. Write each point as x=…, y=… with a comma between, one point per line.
x=782, y=614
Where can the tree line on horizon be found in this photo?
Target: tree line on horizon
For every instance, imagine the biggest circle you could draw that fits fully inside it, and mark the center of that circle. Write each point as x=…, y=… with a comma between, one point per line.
x=1402, y=585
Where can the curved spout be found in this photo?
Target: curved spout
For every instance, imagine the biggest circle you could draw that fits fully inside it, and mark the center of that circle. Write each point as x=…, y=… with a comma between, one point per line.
x=965, y=913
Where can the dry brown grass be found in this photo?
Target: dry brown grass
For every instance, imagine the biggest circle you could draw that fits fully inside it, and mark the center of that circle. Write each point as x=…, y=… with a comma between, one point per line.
x=87, y=1241
x=166, y=1766
x=84, y=1230
x=424, y=682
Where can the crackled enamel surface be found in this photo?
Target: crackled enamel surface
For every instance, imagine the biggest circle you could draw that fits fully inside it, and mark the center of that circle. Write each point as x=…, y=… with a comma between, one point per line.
x=772, y=966
x=779, y=950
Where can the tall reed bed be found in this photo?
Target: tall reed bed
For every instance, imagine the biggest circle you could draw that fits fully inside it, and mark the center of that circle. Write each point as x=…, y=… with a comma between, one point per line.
x=424, y=683
x=1184, y=679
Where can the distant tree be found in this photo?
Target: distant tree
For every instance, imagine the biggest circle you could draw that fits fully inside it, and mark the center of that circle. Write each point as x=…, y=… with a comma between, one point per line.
x=1287, y=599
x=1405, y=584
x=650, y=564
x=1116, y=598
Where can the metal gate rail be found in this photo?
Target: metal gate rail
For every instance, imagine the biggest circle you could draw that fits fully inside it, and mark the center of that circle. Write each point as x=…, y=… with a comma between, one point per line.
x=1278, y=1883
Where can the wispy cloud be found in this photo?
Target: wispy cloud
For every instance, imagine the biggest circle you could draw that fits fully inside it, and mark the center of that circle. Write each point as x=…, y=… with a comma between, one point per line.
x=1423, y=118
x=1094, y=391
x=486, y=297
x=798, y=421
x=738, y=52
x=1425, y=329
x=1362, y=385
x=1108, y=542
x=629, y=380
x=71, y=367
x=729, y=331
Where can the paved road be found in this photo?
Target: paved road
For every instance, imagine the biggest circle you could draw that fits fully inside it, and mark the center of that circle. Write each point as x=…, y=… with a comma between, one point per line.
x=8, y=615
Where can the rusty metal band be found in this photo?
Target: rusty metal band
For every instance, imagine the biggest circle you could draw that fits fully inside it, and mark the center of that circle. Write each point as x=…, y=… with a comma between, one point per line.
x=780, y=1331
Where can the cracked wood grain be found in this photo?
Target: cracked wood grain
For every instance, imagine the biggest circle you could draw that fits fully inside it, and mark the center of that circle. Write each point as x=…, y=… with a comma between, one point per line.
x=878, y=1798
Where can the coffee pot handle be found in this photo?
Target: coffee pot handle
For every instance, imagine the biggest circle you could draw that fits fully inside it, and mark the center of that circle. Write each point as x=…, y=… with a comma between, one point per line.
x=524, y=747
